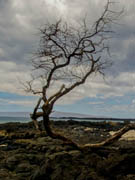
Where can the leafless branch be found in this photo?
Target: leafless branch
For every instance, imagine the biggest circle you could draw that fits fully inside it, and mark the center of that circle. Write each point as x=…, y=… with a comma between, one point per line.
x=68, y=55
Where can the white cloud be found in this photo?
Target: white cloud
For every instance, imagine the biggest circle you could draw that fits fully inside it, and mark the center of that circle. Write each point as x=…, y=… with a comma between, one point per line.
x=2, y=53
x=112, y=86
x=24, y=103
x=96, y=103
x=10, y=72
x=17, y=102
x=17, y=29
x=8, y=66
x=120, y=108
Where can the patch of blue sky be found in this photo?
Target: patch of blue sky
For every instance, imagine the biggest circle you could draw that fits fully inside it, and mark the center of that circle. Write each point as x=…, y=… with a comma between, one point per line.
x=16, y=103
x=109, y=107
x=117, y=106
x=80, y=106
x=14, y=108
x=14, y=96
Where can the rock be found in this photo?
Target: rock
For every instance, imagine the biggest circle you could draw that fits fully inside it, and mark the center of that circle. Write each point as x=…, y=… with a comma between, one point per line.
x=41, y=140
x=129, y=136
x=112, y=133
x=12, y=161
x=75, y=153
x=66, y=165
x=59, y=155
x=130, y=177
x=81, y=128
x=32, y=155
x=24, y=167
x=3, y=145
x=88, y=129
x=53, y=163
x=3, y=173
x=3, y=133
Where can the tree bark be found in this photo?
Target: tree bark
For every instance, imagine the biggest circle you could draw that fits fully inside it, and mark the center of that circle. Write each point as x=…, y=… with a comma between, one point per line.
x=46, y=123
x=68, y=141
x=36, y=124
x=113, y=138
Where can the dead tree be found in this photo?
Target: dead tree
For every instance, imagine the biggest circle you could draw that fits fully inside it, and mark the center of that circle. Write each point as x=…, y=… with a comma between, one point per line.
x=66, y=57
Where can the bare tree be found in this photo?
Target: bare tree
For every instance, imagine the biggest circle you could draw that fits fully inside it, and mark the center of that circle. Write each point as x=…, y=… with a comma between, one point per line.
x=66, y=57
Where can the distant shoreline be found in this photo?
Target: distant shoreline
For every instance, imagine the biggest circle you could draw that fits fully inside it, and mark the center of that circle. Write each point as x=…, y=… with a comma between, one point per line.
x=93, y=118
x=8, y=119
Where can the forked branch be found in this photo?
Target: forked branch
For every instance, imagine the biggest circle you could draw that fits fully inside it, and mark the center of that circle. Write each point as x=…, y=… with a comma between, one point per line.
x=67, y=56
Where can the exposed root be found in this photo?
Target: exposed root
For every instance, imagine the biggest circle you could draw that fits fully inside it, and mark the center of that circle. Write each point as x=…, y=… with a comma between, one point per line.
x=113, y=138
x=107, y=142
x=68, y=141
x=35, y=122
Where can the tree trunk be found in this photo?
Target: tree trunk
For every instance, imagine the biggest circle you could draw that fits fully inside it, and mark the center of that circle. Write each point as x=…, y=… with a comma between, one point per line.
x=46, y=124
x=36, y=124
x=113, y=138
x=68, y=141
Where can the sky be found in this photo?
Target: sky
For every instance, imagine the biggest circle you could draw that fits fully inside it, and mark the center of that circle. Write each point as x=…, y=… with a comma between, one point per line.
x=112, y=96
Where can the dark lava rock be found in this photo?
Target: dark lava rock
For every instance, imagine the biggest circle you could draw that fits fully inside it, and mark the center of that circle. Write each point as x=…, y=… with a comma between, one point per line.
x=27, y=154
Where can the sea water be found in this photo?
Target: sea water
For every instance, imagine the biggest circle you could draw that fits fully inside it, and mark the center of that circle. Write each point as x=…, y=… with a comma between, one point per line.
x=5, y=119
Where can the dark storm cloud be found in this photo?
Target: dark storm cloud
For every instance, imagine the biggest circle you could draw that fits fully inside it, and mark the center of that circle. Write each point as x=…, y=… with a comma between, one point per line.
x=19, y=21
x=14, y=41
x=122, y=44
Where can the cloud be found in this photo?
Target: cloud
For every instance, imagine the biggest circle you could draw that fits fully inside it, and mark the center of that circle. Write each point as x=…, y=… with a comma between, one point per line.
x=120, y=108
x=10, y=74
x=113, y=86
x=95, y=86
x=96, y=103
x=17, y=102
x=19, y=21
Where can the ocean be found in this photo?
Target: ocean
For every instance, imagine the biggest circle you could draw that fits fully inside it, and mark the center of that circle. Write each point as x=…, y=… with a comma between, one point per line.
x=4, y=119
x=24, y=117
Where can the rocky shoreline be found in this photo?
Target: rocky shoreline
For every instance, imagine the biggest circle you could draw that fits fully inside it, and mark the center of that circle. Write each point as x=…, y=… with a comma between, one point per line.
x=26, y=154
